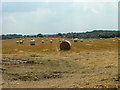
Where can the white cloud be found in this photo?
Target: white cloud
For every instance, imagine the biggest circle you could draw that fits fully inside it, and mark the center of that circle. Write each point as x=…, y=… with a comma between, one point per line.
x=11, y=19
x=115, y=5
x=95, y=11
x=53, y=19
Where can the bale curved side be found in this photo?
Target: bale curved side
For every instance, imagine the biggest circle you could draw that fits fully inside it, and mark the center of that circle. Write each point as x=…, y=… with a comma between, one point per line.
x=65, y=45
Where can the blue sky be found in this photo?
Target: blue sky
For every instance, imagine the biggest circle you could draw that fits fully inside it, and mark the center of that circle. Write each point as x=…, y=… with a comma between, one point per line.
x=55, y=17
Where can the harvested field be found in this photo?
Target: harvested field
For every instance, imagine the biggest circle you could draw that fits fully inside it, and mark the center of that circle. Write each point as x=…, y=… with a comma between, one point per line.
x=92, y=63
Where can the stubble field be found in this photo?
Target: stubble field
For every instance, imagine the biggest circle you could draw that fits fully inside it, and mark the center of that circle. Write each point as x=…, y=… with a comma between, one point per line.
x=92, y=63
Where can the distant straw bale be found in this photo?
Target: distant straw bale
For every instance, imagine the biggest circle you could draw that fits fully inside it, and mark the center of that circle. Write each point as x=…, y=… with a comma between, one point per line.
x=43, y=41
x=21, y=41
x=65, y=45
x=17, y=42
x=51, y=40
x=81, y=40
x=76, y=40
x=32, y=42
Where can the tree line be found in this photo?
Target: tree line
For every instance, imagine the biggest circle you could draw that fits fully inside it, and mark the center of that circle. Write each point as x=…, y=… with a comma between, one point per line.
x=91, y=34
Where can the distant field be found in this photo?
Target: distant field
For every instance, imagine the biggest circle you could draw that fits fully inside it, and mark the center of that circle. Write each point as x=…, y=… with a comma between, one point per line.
x=92, y=63
x=10, y=46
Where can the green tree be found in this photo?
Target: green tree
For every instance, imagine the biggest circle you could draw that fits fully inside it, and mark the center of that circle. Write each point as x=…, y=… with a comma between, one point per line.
x=39, y=35
x=60, y=34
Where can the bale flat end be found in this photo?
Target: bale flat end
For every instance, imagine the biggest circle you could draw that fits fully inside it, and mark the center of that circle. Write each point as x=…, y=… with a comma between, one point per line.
x=65, y=45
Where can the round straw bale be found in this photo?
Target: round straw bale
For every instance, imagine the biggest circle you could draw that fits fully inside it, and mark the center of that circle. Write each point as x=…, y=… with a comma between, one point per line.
x=65, y=45
x=75, y=40
x=42, y=41
x=32, y=42
x=17, y=42
x=51, y=41
x=81, y=40
x=21, y=41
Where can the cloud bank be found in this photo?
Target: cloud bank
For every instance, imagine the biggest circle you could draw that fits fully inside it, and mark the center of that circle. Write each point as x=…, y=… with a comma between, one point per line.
x=53, y=17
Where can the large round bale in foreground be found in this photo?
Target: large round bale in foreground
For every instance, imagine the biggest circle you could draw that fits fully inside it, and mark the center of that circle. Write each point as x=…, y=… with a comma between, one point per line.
x=32, y=42
x=65, y=45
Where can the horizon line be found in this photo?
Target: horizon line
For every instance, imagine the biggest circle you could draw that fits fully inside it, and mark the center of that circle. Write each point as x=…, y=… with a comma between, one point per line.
x=60, y=32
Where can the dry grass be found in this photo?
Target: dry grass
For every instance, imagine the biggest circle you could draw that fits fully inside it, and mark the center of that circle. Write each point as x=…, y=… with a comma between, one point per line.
x=10, y=46
x=92, y=63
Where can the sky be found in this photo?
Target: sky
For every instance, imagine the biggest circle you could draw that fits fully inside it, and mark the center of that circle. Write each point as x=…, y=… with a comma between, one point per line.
x=58, y=17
